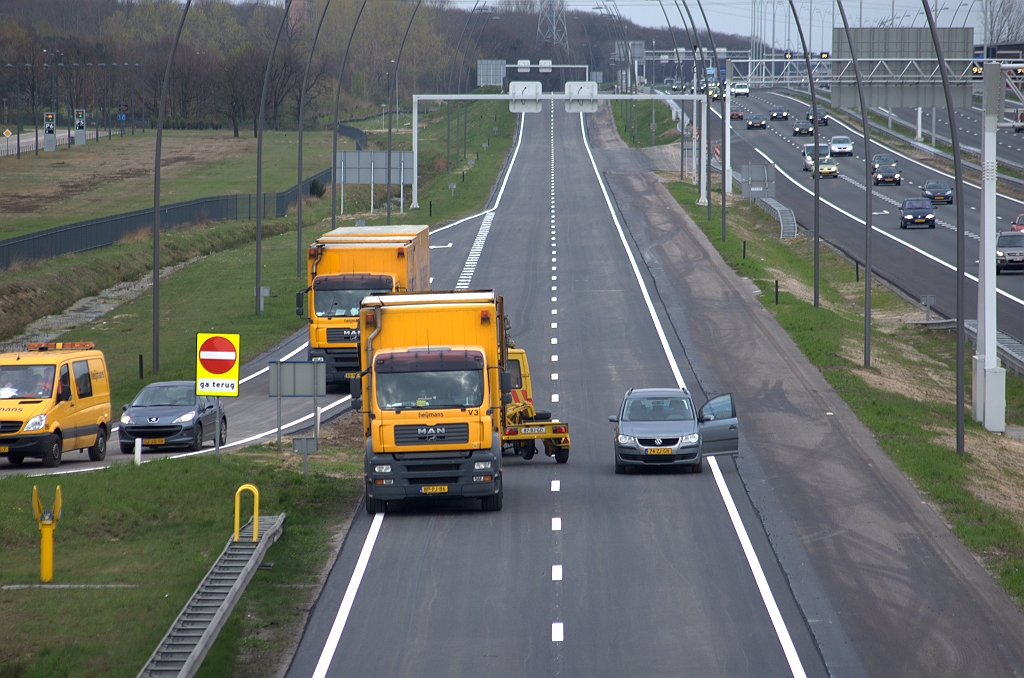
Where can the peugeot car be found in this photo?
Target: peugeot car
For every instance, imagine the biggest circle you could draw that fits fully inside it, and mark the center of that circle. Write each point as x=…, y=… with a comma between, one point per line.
x=917, y=212
x=802, y=128
x=170, y=414
x=780, y=113
x=757, y=122
x=886, y=174
x=822, y=116
x=938, y=192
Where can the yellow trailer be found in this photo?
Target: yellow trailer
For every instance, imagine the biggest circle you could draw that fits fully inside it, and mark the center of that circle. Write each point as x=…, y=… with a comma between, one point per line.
x=523, y=423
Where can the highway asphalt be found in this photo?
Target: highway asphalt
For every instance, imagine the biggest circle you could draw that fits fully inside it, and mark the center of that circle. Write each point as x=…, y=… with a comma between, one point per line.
x=918, y=261
x=808, y=553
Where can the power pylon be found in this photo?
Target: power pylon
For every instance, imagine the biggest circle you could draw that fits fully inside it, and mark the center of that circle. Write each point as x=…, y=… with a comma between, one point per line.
x=551, y=24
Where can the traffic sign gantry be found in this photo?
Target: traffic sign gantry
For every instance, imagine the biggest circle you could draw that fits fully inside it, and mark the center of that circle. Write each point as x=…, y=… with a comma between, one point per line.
x=217, y=364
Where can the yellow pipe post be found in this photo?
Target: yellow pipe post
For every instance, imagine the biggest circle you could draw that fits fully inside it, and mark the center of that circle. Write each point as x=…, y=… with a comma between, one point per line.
x=255, y=509
x=47, y=522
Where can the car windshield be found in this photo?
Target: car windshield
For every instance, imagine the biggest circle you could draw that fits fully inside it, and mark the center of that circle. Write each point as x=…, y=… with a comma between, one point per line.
x=778, y=108
x=884, y=159
x=823, y=150
x=917, y=204
x=757, y=118
x=340, y=303
x=936, y=186
x=657, y=409
x=26, y=381
x=430, y=390
x=166, y=395
x=840, y=140
x=1011, y=240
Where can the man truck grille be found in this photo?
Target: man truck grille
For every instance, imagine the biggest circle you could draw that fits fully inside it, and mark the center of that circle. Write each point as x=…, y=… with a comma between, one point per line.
x=445, y=434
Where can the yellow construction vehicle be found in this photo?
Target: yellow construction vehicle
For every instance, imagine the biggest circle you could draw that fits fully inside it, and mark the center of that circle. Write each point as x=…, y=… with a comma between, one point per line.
x=523, y=423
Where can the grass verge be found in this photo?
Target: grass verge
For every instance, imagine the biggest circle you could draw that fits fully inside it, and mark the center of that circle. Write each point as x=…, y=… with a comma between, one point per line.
x=158, y=528
x=633, y=120
x=904, y=398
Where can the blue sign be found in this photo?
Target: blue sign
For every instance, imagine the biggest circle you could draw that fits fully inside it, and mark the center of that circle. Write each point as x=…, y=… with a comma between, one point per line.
x=122, y=117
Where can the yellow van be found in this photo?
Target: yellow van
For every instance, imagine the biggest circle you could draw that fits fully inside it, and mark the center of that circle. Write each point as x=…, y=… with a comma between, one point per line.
x=54, y=397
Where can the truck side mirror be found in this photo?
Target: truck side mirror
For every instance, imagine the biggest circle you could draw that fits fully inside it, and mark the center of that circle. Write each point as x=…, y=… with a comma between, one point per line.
x=506, y=398
x=298, y=303
x=357, y=404
x=355, y=387
x=506, y=382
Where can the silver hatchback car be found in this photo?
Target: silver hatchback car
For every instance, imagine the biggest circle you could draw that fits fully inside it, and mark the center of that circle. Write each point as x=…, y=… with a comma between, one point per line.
x=661, y=427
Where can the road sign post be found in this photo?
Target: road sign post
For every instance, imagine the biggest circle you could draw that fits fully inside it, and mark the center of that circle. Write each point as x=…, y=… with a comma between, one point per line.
x=217, y=359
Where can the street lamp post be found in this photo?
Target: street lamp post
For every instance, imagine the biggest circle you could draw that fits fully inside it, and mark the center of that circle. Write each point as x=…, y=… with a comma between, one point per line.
x=17, y=77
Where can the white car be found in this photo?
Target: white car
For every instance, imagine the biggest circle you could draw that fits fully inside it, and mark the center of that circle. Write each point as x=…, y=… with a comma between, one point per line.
x=841, y=146
x=740, y=89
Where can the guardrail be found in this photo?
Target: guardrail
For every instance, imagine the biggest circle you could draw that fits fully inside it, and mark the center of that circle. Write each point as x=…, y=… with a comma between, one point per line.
x=1009, y=350
x=104, y=231
x=784, y=215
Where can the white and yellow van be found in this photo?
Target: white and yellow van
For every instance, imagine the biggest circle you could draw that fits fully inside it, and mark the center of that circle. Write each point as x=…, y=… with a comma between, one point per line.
x=54, y=397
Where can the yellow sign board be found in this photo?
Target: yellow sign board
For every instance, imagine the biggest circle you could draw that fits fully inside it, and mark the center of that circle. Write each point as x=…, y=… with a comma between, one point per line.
x=217, y=360
x=7, y=132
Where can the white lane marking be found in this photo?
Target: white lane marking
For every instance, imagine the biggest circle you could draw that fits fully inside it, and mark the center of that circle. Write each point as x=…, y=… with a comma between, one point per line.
x=556, y=524
x=556, y=485
x=554, y=288
x=554, y=326
x=554, y=376
x=556, y=573
x=554, y=311
x=554, y=277
x=267, y=369
x=781, y=631
x=554, y=298
x=440, y=247
x=557, y=632
x=876, y=229
x=466, y=277
x=554, y=358
x=554, y=340
x=554, y=397
x=334, y=636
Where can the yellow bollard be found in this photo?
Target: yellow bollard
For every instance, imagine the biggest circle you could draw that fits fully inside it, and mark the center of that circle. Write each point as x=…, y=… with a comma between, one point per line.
x=47, y=522
x=255, y=509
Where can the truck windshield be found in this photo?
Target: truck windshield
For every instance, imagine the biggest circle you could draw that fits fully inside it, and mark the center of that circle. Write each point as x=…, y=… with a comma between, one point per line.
x=26, y=381
x=340, y=303
x=430, y=390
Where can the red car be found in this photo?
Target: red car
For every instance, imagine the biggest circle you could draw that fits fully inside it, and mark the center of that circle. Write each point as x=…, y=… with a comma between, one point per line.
x=735, y=115
x=1018, y=223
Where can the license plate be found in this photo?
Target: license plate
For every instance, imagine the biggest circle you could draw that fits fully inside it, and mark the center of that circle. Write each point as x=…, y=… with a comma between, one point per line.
x=433, y=489
x=940, y=198
x=532, y=429
x=4, y=448
x=918, y=221
x=659, y=450
x=154, y=441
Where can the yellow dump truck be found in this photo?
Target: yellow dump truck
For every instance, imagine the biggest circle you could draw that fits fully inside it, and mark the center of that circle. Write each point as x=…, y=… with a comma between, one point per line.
x=345, y=265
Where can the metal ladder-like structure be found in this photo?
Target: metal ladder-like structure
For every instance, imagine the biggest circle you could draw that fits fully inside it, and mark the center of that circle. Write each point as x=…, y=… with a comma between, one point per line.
x=183, y=649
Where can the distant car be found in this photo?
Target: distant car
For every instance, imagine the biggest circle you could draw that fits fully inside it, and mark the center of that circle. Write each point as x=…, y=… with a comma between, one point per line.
x=1018, y=223
x=917, y=212
x=803, y=128
x=1009, y=251
x=828, y=167
x=740, y=89
x=715, y=92
x=660, y=427
x=822, y=116
x=841, y=146
x=780, y=113
x=808, y=152
x=757, y=122
x=170, y=414
x=938, y=192
x=886, y=174
x=735, y=115
x=881, y=159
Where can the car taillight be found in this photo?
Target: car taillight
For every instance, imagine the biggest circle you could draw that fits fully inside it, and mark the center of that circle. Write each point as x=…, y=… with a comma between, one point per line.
x=511, y=431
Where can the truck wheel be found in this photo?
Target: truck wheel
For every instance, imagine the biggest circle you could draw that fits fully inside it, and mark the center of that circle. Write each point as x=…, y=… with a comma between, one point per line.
x=15, y=459
x=528, y=449
x=493, y=502
x=561, y=454
x=375, y=505
x=51, y=458
x=99, y=449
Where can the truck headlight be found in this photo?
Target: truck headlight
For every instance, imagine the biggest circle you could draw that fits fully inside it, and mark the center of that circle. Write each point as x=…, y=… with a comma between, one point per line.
x=481, y=465
x=185, y=418
x=382, y=468
x=125, y=419
x=626, y=440
x=36, y=423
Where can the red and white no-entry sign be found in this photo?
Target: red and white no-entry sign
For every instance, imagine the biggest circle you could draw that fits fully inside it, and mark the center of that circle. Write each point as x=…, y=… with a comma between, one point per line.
x=217, y=364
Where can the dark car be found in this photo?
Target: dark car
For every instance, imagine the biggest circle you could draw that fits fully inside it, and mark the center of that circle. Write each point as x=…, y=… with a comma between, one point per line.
x=822, y=116
x=882, y=160
x=757, y=122
x=917, y=212
x=886, y=174
x=938, y=192
x=780, y=113
x=735, y=115
x=660, y=427
x=803, y=128
x=1010, y=251
x=170, y=414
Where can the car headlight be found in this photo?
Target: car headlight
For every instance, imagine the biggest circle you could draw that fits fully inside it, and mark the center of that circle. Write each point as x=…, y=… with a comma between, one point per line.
x=896, y=177
x=908, y=216
x=878, y=176
x=929, y=216
x=481, y=465
x=999, y=253
x=36, y=423
x=383, y=468
x=185, y=418
x=125, y=419
x=690, y=439
x=626, y=440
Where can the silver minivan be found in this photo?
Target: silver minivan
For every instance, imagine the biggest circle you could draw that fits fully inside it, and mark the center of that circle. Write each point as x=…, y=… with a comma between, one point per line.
x=808, y=153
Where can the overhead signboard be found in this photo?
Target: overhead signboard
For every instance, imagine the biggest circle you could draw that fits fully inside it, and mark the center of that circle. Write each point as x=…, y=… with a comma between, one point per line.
x=524, y=66
x=545, y=65
x=490, y=72
x=582, y=97
x=217, y=358
x=525, y=97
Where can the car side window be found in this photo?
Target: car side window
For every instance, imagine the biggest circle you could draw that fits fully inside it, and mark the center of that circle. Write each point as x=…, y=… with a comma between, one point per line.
x=64, y=385
x=720, y=407
x=515, y=369
x=83, y=382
